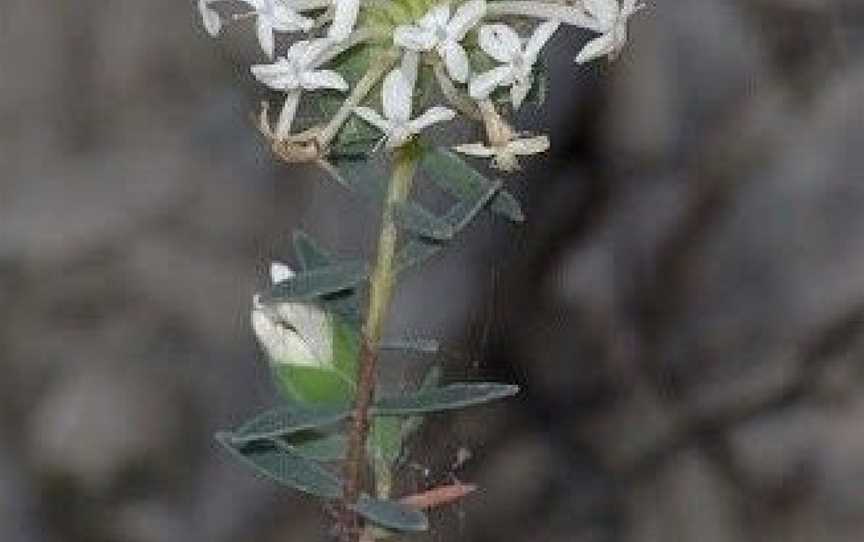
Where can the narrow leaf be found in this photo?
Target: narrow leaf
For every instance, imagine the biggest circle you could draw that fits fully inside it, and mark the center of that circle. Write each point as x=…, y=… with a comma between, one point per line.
x=318, y=282
x=454, y=396
x=419, y=250
x=284, y=420
x=413, y=344
x=280, y=464
x=310, y=254
x=415, y=252
x=362, y=177
x=416, y=219
x=318, y=447
x=391, y=515
x=457, y=177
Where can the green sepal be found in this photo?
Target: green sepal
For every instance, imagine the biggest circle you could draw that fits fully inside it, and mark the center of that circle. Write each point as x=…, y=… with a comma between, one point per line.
x=332, y=385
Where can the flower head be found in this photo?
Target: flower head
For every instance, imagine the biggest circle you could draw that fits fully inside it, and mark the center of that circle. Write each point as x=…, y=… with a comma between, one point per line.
x=298, y=334
x=275, y=16
x=397, y=93
x=438, y=30
x=504, y=45
x=609, y=18
x=295, y=72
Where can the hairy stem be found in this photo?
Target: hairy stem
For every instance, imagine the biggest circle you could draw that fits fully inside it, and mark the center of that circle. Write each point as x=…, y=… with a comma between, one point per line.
x=380, y=295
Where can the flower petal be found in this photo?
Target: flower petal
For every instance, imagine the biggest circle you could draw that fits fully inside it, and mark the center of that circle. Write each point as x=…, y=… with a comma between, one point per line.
x=539, y=38
x=396, y=96
x=314, y=52
x=282, y=344
x=475, y=149
x=519, y=91
x=482, y=85
x=286, y=19
x=414, y=38
x=500, y=42
x=456, y=60
x=432, y=116
x=436, y=17
x=410, y=65
x=344, y=19
x=529, y=145
x=276, y=75
x=210, y=17
x=279, y=272
x=605, y=11
x=372, y=117
x=313, y=326
x=466, y=17
x=318, y=79
x=265, y=36
x=286, y=117
x=597, y=48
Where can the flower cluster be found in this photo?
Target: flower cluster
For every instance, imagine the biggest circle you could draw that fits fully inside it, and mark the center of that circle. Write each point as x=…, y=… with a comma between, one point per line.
x=479, y=59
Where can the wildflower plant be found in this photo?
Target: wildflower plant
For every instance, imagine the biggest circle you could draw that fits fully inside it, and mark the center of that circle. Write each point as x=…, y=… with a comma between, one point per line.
x=364, y=82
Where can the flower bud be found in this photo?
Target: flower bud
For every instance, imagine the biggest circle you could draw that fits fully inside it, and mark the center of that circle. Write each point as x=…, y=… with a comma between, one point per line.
x=310, y=351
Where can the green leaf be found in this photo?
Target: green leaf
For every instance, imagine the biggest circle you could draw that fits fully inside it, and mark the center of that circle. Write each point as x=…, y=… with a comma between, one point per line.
x=416, y=219
x=318, y=282
x=310, y=254
x=385, y=442
x=452, y=397
x=344, y=304
x=284, y=420
x=415, y=252
x=282, y=465
x=413, y=344
x=454, y=175
x=363, y=177
x=324, y=448
x=418, y=250
x=391, y=515
x=413, y=423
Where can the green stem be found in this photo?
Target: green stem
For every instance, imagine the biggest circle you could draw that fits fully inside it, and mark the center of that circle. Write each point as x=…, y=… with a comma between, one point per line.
x=380, y=295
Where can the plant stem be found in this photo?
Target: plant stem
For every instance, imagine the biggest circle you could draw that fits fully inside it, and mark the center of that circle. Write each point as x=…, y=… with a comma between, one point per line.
x=380, y=295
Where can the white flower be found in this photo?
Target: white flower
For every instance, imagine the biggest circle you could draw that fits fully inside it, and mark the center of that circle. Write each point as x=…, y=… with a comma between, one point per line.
x=275, y=16
x=397, y=93
x=293, y=333
x=296, y=72
x=609, y=19
x=212, y=21
x=505, y=156
x=344, y=19
x=437, y=30
x=503, y=44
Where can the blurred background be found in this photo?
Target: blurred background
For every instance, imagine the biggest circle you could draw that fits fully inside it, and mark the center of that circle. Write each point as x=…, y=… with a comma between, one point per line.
x=684, y=308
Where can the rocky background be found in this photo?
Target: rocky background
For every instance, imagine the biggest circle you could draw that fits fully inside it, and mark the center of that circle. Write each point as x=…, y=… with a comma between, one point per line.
x=685, y=307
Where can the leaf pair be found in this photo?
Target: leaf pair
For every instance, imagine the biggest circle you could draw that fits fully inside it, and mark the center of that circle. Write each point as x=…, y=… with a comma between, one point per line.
x=290, y=443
